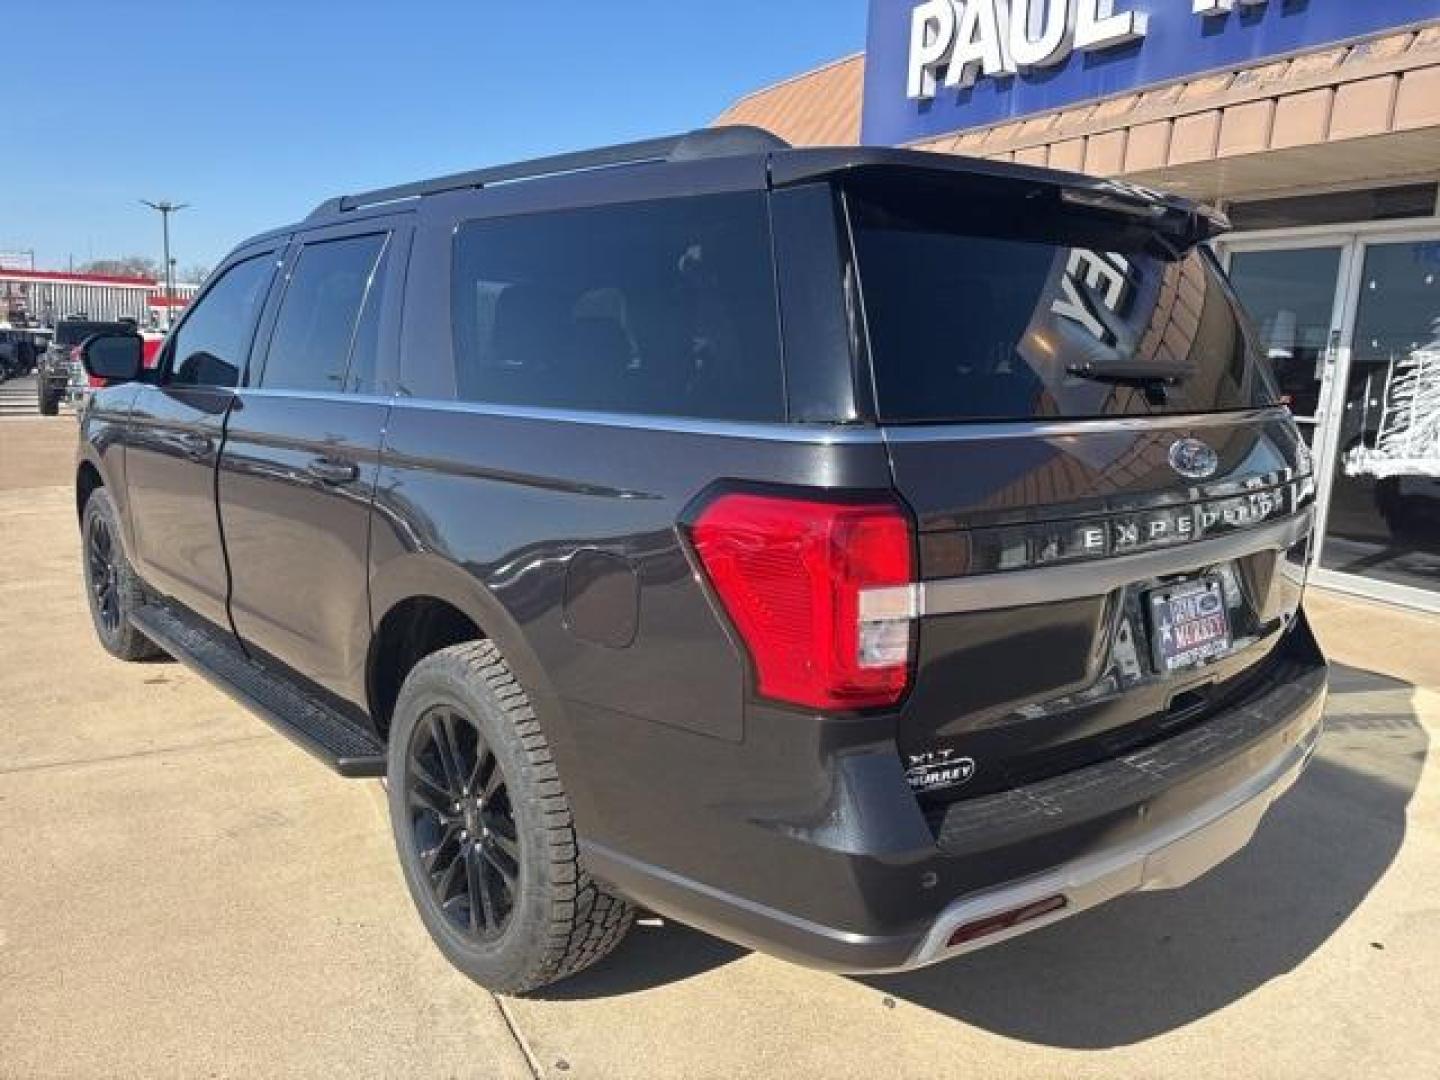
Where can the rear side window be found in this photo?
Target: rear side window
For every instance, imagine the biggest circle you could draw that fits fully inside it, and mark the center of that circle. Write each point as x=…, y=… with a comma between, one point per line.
x=317, y=330
x=209, y=347
x=661, y=308
x=1004, y=303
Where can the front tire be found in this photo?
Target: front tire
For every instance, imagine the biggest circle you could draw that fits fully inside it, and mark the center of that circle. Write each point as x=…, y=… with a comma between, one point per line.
x=113, y=589
x=484, y=830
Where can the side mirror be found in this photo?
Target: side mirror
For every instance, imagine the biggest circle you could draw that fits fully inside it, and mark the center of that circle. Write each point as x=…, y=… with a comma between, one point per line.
x=113, y=357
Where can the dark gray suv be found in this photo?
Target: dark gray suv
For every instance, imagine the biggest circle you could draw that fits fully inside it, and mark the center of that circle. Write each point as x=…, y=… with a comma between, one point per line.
x=862, y=555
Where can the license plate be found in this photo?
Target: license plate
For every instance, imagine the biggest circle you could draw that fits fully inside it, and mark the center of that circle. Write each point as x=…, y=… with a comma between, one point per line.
x=1188, y=623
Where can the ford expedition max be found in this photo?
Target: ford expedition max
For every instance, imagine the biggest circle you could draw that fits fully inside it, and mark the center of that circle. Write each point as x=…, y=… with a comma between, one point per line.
x=863, y=555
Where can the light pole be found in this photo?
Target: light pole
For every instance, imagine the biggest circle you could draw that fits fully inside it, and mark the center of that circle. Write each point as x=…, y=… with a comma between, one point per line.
x=166, y=208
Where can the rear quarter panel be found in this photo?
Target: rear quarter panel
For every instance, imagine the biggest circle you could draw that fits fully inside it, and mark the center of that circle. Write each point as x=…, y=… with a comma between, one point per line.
x=513, y=499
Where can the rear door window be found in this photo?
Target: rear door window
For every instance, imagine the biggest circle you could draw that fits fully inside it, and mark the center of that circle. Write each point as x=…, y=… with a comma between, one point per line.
x=322, y=316
x=662, y=308
x=999, y=303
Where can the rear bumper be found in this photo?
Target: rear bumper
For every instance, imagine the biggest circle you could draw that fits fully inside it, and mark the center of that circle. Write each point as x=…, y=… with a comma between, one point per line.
x=1156, y=818
x=1166, y=857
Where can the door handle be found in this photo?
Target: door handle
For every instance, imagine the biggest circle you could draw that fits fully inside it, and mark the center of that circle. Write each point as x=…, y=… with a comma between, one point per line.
x=330, y=471
x=196, y=445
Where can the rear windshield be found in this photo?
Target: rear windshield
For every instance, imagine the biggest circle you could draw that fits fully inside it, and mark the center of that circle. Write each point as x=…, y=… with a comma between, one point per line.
x=73, y=333
x=998, y=301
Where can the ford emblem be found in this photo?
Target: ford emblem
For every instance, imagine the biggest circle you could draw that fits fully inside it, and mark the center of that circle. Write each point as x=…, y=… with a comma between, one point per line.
x=1193, y=460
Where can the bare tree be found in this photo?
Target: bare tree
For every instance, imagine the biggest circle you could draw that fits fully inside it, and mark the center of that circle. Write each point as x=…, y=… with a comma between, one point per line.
x=193, y=274
x=126, y=266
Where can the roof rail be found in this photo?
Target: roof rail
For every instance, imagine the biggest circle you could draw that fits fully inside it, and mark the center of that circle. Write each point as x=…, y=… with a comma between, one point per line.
x=697, y=145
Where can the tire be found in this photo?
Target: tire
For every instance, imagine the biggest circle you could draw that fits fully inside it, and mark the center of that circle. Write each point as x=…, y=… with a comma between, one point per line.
x=49, y=404
x=539, y=916
x=111, y=586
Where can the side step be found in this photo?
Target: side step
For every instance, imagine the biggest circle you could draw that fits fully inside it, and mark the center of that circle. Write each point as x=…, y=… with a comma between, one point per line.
x=335, y=739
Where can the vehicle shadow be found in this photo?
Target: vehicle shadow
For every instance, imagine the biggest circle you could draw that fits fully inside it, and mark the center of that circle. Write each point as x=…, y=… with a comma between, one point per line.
x=656, y=952
x=1150, y=963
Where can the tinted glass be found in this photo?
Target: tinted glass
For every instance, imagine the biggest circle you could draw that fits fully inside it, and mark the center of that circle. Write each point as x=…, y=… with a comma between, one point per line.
x=316, y=328
x=1290, y=295
x=365, y=352
x=209, y=347
x=1007, y=304
x=659, y=308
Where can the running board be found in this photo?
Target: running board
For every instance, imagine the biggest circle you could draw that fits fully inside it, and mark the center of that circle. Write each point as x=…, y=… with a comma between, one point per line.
x=335, y=739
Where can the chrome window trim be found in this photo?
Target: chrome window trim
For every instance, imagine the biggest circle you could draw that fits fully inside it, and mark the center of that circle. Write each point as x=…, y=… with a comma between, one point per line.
x=782, y=431
x=771, y=431
x=776, y=431
x=1010, y=429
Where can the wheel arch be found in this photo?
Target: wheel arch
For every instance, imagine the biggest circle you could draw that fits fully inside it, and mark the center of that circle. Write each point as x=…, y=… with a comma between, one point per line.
x=87, y=480
x=95, y=470
x=420, y=604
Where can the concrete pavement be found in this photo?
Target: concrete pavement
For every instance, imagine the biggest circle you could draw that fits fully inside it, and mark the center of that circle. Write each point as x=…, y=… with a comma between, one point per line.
x=183, y=893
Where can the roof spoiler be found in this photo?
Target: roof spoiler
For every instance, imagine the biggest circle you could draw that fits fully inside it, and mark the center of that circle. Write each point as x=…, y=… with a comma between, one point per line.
x=1194, y=222
x=1176, y=218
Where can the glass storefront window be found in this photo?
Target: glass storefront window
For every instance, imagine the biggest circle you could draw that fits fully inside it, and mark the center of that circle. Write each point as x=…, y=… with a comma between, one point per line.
x=1290, y=295
x=1384, y=517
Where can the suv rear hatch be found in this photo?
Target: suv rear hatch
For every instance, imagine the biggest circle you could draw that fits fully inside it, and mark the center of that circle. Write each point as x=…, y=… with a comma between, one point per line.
x=1112, y=508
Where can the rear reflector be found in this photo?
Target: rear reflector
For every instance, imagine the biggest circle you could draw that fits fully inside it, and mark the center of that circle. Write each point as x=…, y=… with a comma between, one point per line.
x=1006, y=920
x=820, y=592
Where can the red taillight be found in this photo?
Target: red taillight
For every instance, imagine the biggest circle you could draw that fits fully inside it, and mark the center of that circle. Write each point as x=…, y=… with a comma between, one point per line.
x=819, y=591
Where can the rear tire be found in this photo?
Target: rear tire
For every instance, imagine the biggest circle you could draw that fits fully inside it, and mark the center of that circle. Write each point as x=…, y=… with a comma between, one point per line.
x=49, y=404
x=111, y=586
x=484, y=830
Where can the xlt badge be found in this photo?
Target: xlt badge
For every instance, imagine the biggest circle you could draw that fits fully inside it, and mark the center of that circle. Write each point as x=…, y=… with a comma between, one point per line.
x=938, y=769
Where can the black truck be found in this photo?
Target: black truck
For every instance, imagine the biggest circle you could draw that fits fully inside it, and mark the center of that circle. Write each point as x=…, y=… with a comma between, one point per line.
x=863, y=555
x=59, y=377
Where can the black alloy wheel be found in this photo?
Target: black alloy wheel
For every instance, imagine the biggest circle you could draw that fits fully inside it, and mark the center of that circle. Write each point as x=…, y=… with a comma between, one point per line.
x=463, y=823
x=104, y=575
x=484, y=829
x=111, y=586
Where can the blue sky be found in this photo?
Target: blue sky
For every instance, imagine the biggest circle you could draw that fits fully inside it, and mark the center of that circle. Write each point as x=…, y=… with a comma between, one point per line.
x=255, y=110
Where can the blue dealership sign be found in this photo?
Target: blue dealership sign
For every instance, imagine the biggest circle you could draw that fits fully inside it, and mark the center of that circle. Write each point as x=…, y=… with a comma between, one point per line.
x=939, y=66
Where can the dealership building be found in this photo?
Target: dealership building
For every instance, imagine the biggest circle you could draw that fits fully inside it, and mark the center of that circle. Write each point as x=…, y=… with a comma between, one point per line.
x=1314, y=124
x=44, y=297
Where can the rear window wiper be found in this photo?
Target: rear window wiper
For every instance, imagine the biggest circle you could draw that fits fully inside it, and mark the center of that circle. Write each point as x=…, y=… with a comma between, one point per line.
x=1152, y=379
x=1136, y=374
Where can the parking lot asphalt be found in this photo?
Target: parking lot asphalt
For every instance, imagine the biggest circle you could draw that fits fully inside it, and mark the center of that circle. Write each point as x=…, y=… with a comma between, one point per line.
x=183, y=893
